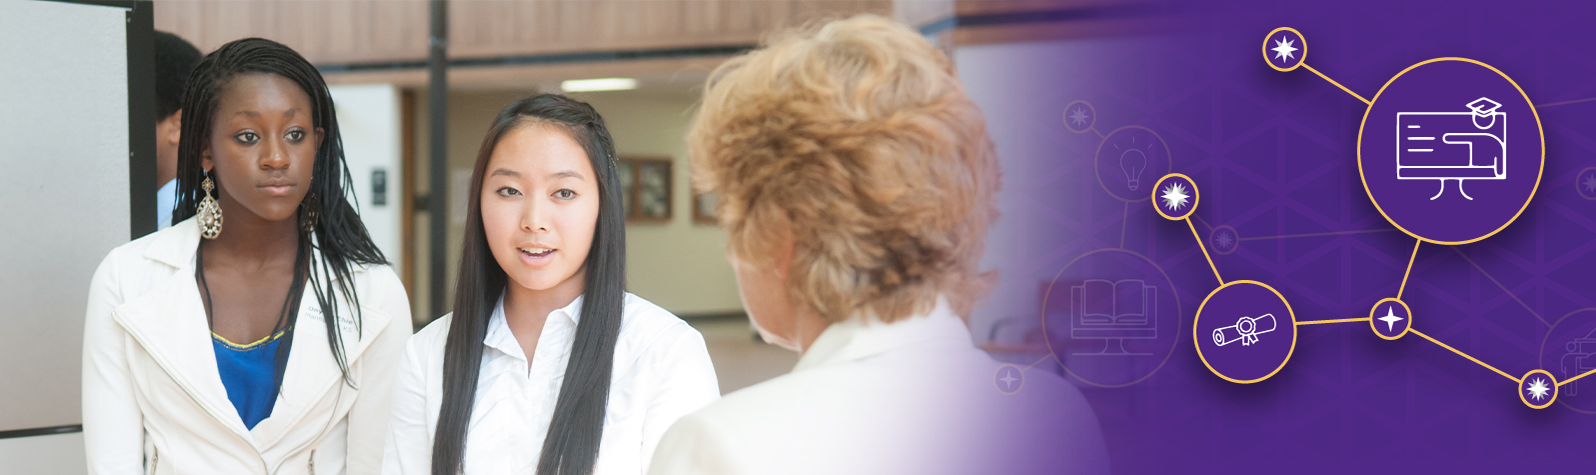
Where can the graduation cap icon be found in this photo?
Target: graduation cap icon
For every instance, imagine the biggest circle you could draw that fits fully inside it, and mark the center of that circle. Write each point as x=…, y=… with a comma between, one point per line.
x=1484, y=107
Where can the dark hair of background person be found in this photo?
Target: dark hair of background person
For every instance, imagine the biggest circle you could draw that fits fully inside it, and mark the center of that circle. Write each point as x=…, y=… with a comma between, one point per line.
x=338, y=233
x=572, y=445
x=174, y=60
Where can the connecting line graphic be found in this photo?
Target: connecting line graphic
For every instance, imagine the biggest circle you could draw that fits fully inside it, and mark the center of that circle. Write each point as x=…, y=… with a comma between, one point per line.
x=1205, y=250
x=1466, y=355
x=1500, y=286
x=1407, y=327
x=1010, y=378
x=1576, y=378
x=1338, y=320
x=1238, y=326
x=1334, y=83
x=1564, y=103
x=1335, y=233
x=1406, y=273
x=1122, y=223
x=1038, y=361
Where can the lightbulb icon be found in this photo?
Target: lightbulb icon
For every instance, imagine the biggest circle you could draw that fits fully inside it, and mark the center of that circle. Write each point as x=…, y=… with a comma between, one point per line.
x=1129, y=160
x=1133, y=162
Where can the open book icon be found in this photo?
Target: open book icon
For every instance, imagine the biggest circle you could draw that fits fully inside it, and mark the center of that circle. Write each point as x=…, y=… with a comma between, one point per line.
x=1113, y=311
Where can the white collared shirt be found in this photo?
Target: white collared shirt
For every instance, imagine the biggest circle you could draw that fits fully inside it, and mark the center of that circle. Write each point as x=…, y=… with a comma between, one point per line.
x=662, y=372
x=910, y=397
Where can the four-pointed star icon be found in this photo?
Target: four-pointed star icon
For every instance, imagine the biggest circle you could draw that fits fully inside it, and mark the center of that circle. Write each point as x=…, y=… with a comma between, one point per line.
x=1008, y=378
x=1390, y=319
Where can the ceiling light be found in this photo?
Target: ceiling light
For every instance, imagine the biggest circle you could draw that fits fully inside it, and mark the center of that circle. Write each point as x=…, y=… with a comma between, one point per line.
x=603, y=84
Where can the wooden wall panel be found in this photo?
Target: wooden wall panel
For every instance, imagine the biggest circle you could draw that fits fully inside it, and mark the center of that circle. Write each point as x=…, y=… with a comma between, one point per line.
x=376, y=31
x=324, y=31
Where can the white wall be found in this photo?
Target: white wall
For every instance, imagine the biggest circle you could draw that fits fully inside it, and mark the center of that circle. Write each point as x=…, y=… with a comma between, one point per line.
x=55, y=454
x=64, y=202
x=368, y=120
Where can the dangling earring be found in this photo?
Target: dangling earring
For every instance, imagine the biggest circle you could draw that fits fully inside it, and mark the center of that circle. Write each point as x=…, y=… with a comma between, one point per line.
x=210, y=214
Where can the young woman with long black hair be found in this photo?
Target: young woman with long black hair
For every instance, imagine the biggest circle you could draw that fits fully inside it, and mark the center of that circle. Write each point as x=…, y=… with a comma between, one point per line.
x=547, y=365
x=261, y=332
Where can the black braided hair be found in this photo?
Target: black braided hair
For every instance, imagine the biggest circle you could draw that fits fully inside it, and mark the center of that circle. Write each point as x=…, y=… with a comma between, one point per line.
x=325, y=213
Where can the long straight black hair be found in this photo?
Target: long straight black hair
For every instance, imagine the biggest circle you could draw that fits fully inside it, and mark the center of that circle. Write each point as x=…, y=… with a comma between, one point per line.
x=572, y=444
x=326, y=213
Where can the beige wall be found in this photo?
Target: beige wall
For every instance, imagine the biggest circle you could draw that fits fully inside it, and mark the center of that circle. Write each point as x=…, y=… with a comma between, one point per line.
x=678, y=265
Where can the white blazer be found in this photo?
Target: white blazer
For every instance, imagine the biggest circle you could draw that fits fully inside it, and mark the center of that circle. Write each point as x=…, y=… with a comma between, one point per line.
x=153, y=401
x=909, y=397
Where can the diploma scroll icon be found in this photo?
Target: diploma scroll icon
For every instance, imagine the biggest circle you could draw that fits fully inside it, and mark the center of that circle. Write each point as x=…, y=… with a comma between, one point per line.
x=1246, y=330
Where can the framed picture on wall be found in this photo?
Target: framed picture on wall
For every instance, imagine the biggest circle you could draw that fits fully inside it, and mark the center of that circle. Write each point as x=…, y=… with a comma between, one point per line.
x=646, y=188
x=704, y=208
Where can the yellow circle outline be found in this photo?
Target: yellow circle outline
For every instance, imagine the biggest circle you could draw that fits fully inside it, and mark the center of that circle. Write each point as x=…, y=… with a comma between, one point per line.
x=1579, y=190
x=1195, y=197
x=1300, y=62
x=1538, y=130
x=1088, y=107
x=1179, y=319
x=1000, y=371
x=1198, y=341
x=1520, y=389
x=1540, y=356
x=1405, y=329
x=1216, y=229
x=1097, y=162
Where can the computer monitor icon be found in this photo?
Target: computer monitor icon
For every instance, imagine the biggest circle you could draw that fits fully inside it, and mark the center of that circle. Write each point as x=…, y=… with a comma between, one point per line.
x=1459, y=146
x=1113, y=311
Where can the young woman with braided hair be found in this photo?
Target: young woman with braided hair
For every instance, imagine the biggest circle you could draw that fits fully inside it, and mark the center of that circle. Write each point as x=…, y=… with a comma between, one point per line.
x=260, y=333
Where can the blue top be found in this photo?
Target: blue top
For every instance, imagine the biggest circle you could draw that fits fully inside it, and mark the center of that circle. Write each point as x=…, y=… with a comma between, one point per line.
x=250, y=375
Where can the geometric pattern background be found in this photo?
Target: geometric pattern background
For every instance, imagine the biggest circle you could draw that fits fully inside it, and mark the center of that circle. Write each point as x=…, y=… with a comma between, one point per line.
x=1274, y=154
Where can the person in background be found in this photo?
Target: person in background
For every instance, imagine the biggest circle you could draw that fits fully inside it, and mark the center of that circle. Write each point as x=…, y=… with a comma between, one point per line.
x=856, y=183
x=260, y=333
x=174, y=60
x=547, y=365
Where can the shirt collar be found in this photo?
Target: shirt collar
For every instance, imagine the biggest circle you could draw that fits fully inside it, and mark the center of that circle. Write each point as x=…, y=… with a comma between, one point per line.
x=499, y=336
x=176, y=246
x=860, y=337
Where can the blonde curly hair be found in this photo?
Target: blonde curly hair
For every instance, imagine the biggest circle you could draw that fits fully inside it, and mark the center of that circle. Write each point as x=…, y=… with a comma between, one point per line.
x=857, y=136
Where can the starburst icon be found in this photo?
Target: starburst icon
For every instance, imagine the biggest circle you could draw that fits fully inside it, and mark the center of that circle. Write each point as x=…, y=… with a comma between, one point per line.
x=1225, y=240
x=1175, y=196
x=1538, y=389
x=1283, y=49
x=1590, y=184
x=1078, y=116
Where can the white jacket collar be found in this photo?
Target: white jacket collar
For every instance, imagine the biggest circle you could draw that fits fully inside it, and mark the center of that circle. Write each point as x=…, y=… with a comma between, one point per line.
x=861, y=337
x=176, y=246
x=169, y=323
